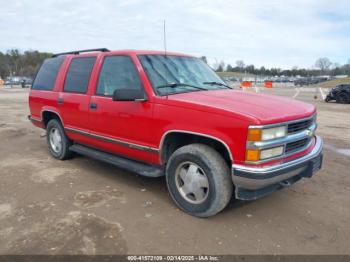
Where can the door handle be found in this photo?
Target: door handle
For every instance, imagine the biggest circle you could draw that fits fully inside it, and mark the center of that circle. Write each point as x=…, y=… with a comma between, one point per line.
x=60, y=101
x=93, y=106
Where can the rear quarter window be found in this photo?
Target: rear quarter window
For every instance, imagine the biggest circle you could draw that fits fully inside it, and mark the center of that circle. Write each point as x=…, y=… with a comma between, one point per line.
x=45, y=79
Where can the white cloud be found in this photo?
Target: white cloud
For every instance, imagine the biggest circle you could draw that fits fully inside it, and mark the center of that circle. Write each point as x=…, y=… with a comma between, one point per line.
x=273, y=33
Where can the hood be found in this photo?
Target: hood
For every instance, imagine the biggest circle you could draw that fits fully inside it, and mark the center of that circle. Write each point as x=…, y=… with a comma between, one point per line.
x=266, y=109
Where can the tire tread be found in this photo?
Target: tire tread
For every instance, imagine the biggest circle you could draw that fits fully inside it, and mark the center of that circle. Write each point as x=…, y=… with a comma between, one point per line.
x=218, y=166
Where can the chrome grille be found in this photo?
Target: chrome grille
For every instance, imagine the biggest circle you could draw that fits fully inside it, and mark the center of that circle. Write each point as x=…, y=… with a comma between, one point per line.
x=299, y=126
x=296, y=145
x=299, y=135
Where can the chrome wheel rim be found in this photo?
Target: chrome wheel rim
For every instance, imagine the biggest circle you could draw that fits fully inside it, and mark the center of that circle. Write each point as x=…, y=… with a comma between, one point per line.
x=55, y=140
x=192, y=182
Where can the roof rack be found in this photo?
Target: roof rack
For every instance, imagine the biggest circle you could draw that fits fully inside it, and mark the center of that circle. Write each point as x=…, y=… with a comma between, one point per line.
x=82, y=51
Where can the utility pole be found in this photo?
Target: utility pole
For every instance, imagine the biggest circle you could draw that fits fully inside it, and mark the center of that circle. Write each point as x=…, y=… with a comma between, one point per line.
x=11, y=78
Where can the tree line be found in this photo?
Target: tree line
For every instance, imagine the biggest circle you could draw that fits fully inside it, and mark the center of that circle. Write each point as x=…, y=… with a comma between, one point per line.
x=16, y=63
x=323, y=66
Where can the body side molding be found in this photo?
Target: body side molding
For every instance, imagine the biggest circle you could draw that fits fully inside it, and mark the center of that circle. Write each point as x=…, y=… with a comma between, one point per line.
x=114, y=141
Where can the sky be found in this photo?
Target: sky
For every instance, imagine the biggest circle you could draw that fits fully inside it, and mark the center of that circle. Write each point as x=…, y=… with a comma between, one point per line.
x=271, y=33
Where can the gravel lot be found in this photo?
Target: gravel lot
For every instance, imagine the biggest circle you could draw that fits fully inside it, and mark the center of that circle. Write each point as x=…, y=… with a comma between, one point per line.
x=83, y=206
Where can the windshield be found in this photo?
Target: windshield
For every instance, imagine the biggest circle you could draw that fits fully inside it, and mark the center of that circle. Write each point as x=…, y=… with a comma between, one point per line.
x=179, y=74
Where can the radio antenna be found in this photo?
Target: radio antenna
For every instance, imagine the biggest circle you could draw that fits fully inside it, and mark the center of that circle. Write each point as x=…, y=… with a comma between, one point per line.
x=164, y=40
x=164, y=37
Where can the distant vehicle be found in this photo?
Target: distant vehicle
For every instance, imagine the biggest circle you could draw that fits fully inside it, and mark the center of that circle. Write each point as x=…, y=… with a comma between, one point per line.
x=26, y=82
x=301, y=82
x=340, y=93
x=14, y=80
x=19, y=80
x=308, y=81
x=305, y=82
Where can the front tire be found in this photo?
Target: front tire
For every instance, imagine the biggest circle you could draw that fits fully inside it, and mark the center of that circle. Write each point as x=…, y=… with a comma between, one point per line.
x=57, y=141
x=199, y=180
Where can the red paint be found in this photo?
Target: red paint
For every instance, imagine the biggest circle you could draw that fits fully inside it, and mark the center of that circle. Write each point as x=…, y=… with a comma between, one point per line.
x=223, y=114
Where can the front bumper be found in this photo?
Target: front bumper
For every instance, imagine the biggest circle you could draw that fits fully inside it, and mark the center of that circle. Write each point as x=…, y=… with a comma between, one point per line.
x=254, y=182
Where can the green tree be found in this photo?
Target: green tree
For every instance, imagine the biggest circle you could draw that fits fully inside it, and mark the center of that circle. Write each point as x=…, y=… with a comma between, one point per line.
x=229, y=68
x=204, y=58
x=323, y=64
x=13, y=62
x=240, y=64
x=220, y=68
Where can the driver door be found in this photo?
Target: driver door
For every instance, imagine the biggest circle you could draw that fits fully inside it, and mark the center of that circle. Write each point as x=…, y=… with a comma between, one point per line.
x=121, y=127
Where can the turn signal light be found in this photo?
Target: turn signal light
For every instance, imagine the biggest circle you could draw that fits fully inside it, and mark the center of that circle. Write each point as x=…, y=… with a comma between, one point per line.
x=254, y=134
x=252, y=155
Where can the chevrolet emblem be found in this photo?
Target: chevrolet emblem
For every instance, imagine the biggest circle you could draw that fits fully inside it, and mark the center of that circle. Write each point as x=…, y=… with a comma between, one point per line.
x=309, y=132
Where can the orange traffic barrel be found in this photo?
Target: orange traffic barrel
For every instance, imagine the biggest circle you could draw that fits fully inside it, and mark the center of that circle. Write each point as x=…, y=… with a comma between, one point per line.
x=268, y=84
x=246, y=84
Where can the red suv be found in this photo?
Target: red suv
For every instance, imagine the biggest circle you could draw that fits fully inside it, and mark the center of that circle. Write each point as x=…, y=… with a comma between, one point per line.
x=157, y=113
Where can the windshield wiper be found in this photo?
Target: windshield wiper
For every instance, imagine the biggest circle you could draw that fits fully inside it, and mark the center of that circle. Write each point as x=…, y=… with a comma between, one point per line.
x=173, y=85
x=217, y=83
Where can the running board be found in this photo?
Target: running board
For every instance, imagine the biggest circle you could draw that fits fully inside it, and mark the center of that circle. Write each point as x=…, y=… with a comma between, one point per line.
x=123, y=163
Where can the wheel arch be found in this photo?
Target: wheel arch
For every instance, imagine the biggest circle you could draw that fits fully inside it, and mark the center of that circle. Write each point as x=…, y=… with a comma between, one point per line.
x=189, y=137
x=48, y=114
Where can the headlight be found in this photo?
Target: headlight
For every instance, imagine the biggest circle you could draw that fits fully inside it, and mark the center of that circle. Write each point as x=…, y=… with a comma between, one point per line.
x=271, y=152
x=275, y=132
x=257, y=155
x=258, y=134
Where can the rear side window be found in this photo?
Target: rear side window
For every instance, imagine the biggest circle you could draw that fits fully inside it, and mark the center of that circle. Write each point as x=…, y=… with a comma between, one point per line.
x=117, y=72
x=46, y=77
x=77, y=79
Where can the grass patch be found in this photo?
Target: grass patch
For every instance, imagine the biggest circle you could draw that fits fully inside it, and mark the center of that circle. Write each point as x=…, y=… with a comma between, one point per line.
x=334, y=82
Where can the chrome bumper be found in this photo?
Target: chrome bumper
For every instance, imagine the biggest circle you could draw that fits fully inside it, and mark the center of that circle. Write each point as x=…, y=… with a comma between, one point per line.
x=255, y=182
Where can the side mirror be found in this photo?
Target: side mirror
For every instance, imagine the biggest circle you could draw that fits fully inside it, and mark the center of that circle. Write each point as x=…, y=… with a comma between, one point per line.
x=129, y=95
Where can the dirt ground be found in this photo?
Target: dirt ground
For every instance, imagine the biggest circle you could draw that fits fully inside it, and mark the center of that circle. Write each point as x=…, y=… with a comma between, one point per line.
x=83, y=206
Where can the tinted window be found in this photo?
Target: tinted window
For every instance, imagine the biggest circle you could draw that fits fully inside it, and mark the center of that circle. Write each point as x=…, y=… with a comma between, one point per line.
x=117, y=72
x=78, y=75
x=47, y=74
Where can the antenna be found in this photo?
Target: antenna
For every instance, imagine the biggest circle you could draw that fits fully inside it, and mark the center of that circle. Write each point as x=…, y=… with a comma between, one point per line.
x=164, y=40
x=164, y=37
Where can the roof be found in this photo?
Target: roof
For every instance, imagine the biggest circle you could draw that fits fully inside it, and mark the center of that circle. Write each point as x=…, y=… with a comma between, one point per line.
x=125, y=52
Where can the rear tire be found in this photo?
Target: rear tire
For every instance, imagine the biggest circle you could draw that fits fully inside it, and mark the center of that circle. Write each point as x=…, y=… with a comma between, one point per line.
x=57, y=141
x=343, y=98
x=198, y=180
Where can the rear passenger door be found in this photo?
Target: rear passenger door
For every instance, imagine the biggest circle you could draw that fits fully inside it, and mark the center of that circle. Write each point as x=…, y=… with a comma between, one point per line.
x=74, y=99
